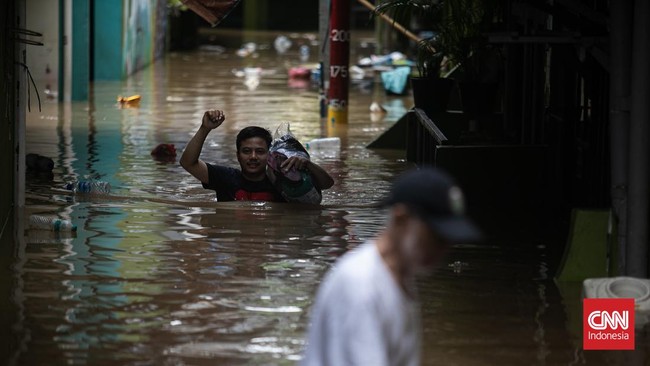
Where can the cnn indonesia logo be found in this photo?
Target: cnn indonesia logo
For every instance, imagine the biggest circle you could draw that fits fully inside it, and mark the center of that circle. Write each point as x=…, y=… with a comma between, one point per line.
x=608, y=324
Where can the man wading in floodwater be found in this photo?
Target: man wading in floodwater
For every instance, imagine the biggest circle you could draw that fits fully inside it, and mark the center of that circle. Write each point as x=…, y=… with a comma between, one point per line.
x=250, y=183
x=366, y=311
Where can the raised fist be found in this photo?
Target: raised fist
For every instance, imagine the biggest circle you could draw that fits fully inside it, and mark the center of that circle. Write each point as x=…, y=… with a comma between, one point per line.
x=213, y=118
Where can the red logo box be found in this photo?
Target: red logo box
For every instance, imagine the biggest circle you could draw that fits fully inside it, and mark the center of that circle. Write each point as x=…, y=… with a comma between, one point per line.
x=608, y=324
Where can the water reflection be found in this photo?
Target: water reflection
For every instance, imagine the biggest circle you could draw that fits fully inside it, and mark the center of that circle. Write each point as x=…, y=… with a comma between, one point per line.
x=160, y=273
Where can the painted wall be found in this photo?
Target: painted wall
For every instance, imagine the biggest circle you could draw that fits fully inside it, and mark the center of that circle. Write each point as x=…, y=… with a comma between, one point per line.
x=129, y=35
x=138, y=45
x=43, y=61
x=80, y=40
x=107, y=39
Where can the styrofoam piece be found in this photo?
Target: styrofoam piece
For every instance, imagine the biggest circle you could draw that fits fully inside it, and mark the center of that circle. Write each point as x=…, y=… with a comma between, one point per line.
x=622, y=287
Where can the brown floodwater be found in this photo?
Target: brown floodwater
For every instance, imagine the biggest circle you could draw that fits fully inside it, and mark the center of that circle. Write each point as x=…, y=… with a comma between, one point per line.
x=159, y=273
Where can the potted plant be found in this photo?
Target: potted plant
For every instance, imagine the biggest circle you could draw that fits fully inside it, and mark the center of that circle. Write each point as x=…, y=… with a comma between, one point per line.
x=463, y=24
x=430, y=90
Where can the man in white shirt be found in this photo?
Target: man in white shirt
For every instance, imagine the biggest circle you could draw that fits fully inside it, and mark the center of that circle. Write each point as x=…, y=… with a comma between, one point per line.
x=366, y=311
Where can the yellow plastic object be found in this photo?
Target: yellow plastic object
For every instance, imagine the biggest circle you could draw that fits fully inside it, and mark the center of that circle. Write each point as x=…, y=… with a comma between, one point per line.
x=133, y=100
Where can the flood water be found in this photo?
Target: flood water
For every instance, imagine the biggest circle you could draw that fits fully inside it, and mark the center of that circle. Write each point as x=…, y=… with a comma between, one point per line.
x=159, y=273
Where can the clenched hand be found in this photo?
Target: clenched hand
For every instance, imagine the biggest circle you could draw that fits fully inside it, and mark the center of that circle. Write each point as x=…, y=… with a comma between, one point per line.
x=213, y=118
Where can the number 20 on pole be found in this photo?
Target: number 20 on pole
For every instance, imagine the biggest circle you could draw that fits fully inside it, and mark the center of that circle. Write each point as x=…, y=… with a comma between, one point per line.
x=338, y=35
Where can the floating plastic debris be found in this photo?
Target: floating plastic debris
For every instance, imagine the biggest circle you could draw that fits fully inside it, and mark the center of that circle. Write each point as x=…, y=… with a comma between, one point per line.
x=131, y=101
x=282, y=44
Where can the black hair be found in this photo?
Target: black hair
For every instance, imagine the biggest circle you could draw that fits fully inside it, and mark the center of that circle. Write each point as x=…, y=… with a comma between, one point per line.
x=254, y=131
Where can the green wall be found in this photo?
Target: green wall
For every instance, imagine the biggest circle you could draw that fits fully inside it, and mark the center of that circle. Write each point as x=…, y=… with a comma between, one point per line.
x=128, y=36
x=108, y=39
x=80, y=49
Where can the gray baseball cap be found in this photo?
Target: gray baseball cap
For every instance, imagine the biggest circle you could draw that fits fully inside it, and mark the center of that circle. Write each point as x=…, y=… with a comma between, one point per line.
x=434, y=196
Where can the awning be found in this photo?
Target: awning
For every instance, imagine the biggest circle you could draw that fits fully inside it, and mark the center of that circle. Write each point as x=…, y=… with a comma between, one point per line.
x=213, y=11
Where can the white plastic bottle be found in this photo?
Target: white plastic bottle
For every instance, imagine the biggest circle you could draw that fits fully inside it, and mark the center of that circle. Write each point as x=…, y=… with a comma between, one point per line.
x=89, y=186
x=50, y=223
x=282, y=44
x=304, y=53
x=328, y=145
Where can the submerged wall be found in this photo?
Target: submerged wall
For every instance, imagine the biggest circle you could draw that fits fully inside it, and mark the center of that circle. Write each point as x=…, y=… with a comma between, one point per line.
x=108, y=39
x=86, y=40
x=43, y=61
x=128, y=36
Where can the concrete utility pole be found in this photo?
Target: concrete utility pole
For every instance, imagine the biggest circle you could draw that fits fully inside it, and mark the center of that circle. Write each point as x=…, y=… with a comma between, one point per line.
x=637, y=203
x=339, y=39
x=619, y=117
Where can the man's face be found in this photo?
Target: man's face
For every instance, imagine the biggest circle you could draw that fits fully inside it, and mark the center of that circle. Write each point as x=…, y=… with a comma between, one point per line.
x=252, y=156
x=420, y=247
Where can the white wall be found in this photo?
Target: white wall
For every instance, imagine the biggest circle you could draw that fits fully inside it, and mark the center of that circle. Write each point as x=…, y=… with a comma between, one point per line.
x=43, y=17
